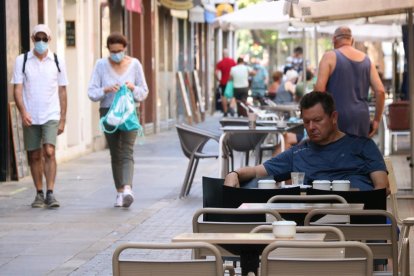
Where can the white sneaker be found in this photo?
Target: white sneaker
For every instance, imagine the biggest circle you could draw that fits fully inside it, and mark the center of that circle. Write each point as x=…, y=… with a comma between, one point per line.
x=128, y=197
x=119, y=200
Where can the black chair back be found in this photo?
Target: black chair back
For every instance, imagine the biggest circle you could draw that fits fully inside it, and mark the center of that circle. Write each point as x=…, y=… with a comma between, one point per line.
x=215, y=194
x=373, y=200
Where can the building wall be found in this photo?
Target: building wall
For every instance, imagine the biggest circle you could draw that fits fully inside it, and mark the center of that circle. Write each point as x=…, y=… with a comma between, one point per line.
x=160, y=41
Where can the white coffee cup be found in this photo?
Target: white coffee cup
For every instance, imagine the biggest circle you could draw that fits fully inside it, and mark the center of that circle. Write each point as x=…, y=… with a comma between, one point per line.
x=321, y=184
x=341, y=185
x=266, y=184
x=284, y=229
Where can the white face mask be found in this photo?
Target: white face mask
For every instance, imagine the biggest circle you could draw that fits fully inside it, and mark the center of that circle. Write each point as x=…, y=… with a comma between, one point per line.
x=41, y=46
x=117, y=57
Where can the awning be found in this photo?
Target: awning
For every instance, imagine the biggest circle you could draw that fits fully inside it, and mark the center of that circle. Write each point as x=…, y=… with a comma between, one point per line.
x=182, y=14
x=177, y=4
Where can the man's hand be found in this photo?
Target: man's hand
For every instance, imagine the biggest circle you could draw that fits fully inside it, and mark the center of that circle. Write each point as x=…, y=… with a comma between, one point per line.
x=26, y=119
x=373, y=129
x=61, y=126
x=232, y=180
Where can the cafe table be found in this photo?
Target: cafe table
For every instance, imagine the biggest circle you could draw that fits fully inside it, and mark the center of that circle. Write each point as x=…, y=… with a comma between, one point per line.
x=227, y=130
x=248, y=246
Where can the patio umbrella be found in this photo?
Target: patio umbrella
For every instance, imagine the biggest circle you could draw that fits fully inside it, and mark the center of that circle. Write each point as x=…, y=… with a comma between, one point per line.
x=261, y=16
x=368, y=32
x=328, y=10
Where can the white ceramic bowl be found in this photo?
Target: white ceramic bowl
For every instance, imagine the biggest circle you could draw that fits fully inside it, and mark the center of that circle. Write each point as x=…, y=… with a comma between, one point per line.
x=322, y=184
x=266, y=184
x=341, y=185
x=284, y=229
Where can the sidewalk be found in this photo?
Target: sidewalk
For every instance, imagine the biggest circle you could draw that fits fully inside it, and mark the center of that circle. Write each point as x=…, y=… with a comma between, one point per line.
x=80, y=237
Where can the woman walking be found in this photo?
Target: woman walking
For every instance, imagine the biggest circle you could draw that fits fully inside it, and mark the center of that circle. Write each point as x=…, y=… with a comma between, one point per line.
x=108, y=76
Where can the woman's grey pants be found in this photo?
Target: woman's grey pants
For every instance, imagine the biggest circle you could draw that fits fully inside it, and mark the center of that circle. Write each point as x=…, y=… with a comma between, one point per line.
x=121, y=148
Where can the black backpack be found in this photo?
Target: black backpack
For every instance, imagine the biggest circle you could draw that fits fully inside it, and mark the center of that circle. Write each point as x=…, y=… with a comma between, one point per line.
x=25, y=60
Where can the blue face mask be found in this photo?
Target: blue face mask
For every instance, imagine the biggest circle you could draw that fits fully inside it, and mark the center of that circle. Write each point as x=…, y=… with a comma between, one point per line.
x=118, y=57
x=41, y=47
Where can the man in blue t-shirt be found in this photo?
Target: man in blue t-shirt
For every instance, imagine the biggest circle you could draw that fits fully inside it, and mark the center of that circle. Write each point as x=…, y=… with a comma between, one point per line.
x=327, y=154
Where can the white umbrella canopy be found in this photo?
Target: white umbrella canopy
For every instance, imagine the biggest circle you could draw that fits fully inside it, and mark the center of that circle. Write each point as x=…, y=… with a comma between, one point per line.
x=261, y=16
x=328, y=10
x=368, y=32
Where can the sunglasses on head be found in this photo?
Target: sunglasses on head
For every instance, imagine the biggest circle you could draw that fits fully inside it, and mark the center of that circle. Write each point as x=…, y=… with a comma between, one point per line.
x=44, y=39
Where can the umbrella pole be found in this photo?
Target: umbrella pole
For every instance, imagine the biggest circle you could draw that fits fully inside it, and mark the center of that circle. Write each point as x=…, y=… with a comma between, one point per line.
x=411, y=87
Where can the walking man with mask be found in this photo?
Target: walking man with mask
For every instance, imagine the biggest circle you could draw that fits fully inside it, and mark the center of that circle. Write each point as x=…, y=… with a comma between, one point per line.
x=40, y=82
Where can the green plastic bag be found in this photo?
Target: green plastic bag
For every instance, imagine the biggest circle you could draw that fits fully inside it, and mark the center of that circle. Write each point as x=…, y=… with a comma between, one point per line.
x=122, y=114
x=228, y=92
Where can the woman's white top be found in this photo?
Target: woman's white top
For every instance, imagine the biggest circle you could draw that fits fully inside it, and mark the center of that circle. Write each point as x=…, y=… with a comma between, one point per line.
x=104, y=75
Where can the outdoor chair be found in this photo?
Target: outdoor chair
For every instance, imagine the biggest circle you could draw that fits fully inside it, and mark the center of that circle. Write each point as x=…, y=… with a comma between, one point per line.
x=332, y=233
x=302, y=264
x=308, y=198
x=299, y=218
x=264, y=146
x=396, y=123
x=381, y=238
x=192, y=142
x=156, y=267
x=215, y=194
x=372, y=200
x=393, y=189
x=241, y=226
x=404, y=248
x=244, y=142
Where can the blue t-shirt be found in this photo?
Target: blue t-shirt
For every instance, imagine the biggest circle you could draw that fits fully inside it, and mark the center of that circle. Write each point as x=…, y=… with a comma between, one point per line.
x=350, y=158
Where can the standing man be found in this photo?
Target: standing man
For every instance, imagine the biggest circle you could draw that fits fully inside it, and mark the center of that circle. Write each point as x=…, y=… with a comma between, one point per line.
x=223, y=75
x=40, y=81
x=347, y=74
x=239, y=74
x=259, y=82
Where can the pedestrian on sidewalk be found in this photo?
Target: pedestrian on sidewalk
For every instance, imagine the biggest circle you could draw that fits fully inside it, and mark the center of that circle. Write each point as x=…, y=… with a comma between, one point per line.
x=347, y=74
x=108, y=76
x=40, y=82
x=222, y=74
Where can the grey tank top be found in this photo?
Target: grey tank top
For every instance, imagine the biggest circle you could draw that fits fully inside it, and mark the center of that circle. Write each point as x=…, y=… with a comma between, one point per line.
x=282, y=95
x=349, y=86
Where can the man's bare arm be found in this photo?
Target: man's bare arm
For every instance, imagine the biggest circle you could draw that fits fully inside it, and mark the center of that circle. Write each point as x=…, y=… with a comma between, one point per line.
x=325, y=69
x=380, y=180
x=379, y=91
x=63, y=107
x=18, y=98
x=233, y=179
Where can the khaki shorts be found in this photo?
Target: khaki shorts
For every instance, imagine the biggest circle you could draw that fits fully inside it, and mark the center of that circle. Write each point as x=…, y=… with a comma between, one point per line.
x=37, y=135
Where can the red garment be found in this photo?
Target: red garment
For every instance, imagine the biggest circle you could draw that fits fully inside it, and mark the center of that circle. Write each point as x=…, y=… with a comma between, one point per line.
x=224, y=67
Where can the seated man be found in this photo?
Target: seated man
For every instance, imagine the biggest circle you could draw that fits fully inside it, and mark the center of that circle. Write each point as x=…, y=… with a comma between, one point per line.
x=328, y=154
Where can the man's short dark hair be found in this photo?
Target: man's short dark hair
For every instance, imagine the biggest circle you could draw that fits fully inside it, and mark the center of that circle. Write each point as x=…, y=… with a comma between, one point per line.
x=298, y=50
x=313, y=98
x=115, y=38
x=240, y=60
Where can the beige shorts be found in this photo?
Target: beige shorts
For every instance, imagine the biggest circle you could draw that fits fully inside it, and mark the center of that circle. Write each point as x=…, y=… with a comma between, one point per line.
x=37, y=135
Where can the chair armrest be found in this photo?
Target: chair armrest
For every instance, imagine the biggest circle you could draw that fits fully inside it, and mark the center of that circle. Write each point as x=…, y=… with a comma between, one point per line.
x=408, y=221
